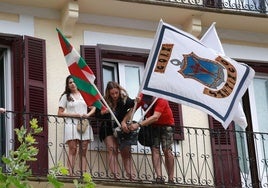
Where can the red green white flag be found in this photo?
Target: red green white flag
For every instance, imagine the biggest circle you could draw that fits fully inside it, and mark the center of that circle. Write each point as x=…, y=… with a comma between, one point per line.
x=83, y=76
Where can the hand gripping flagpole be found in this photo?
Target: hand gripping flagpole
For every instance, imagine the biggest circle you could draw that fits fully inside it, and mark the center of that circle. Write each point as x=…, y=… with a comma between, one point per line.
x=147, y=110
x=133, y=111
x=135, y=106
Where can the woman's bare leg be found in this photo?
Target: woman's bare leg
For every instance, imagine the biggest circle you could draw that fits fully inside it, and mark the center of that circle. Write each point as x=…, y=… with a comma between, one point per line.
x=84, y=154
x=127, y=160
x=72, y=144
x=112, y=149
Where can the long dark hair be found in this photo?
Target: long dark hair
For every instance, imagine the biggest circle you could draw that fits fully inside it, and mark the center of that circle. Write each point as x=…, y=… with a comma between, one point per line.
x=67, y=90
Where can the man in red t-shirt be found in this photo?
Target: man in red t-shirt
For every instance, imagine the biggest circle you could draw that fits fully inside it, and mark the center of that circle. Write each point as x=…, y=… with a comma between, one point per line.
x=162, y=121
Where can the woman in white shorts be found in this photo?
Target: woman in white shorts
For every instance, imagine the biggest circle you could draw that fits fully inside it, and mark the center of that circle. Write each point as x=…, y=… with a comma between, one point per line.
x=73, y=107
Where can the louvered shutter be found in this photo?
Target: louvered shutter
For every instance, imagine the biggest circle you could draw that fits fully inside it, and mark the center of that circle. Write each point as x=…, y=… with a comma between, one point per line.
x=92, y=57
x=17, y=61
x=225, y=155
x=177, y=113
x=36, y=97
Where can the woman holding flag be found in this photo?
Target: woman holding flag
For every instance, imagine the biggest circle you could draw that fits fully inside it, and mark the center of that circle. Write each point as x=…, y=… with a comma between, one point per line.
x=119, y=103
x=74, y=108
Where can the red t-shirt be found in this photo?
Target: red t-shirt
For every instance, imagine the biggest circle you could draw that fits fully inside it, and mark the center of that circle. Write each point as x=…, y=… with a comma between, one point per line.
x=161, y=106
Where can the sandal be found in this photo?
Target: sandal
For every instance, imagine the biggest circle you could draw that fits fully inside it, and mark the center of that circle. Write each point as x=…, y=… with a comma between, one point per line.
x=171, y=182
x=159, y=180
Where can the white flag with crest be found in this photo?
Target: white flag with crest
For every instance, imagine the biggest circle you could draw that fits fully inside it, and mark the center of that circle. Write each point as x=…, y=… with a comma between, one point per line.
x=180, y=68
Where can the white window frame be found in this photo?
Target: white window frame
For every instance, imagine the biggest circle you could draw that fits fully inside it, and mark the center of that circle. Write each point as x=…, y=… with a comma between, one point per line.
x=8, y=98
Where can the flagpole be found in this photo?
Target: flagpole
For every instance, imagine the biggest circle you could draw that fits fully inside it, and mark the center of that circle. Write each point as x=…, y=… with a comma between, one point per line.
x=147, y=110
x=103, y=100
x=133, y=111
x=135, y=105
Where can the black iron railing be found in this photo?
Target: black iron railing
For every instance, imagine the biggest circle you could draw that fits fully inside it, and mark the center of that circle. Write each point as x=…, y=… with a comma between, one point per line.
x=258, y=7
x=206, y=157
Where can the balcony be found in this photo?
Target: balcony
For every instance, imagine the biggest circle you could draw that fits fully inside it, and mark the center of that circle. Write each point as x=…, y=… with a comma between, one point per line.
x=247, y=7
x=198, y=162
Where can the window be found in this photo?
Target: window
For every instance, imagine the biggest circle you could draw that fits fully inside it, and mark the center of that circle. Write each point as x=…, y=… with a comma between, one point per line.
x=258, y=94
x=6, y=128
x=129, y=77
x=109, y=72
x=126, y=67
x=260, y=97
x=23, y=89
x=5, y=78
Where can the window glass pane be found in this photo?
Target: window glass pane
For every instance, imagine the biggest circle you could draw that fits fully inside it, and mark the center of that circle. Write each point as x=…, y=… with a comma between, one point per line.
x=132, y=79
x=6, y=89
x=2, y=74
x=261, y=100
x=259, y=105
x=2, y=104
x=108, y=75
x=132, y=83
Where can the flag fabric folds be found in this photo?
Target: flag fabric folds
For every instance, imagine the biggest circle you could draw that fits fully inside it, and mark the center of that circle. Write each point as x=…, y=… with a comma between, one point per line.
x=81, y=73
x=180, y=68
x=211, y=40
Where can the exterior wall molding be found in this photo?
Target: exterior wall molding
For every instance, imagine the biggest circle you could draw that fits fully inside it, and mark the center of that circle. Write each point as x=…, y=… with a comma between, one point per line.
x=70, y=14
x=113, y=21
x=24, y=26
x=193, y=25
x=100, y=38
x=47, y=13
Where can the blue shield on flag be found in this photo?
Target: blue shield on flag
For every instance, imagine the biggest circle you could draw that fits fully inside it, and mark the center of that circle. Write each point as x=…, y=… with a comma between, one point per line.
x=209, y=73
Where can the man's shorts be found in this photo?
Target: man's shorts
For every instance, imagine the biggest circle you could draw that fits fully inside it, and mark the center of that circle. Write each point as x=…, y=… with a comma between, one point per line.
x=163, y=135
